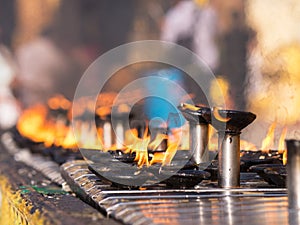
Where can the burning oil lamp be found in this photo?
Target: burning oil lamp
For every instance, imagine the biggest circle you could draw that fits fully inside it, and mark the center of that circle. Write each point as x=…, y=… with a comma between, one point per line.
x=198, y=130
x=229, y=124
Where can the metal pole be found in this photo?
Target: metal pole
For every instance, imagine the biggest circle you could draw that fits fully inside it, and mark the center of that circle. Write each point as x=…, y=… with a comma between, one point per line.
x=229, y=160
x=293, y=169
x=198, y=142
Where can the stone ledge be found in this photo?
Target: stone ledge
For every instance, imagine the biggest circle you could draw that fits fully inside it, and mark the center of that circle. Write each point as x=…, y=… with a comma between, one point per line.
x=27, y=197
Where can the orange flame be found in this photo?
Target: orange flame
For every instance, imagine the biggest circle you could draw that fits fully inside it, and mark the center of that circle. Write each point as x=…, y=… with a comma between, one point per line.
x=189, y=106
x=70, y=140
x=212, y=139
x=173, y=143
x=284, y=157
x=157, y=158
x=34, y=124
x=58, y=102
x=217, y=115
x=281, y=144
x=31, y=120
x=140, y=147
x=37, y=124
x=247, y=146
x=268, y=141
x=170, y=153
x=157, y=141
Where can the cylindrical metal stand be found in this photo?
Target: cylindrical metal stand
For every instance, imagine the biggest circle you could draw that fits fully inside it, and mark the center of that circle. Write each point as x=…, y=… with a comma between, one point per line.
x=119, y=134
x=293, y=170
x=198, y=142
x=229, y=160
x=107, y=134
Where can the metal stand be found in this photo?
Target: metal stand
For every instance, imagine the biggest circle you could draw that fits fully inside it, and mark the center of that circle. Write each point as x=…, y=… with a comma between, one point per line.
x=293, y=168
x=198, y=142
x=229, y=160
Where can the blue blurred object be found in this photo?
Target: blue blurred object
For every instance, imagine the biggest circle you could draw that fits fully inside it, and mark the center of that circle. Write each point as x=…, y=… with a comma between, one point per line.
x=165, y=91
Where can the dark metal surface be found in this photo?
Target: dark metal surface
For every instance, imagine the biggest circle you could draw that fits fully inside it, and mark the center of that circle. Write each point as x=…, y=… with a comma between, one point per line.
x=198, y=115
x=272, y=173
x=234, y=121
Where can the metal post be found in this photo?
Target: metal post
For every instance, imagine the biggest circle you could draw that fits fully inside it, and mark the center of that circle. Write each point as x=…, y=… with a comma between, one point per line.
x=229, y=160
x=293, y=169
x=107, y=134
x=198, y=142
x=119, y=134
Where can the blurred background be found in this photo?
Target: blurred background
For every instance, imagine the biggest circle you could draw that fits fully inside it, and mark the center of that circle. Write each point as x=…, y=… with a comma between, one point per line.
x=253, y=47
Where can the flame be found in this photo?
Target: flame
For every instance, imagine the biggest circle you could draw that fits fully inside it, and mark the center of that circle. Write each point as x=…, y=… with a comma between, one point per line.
x=284, y=157
x=31, y=120
x=247, y=146
x=103, y=111
x=70, y=140
x=140, y=147
x=59, y=102
x=189, y=106
x=170, y=153
x=35, y=125
x=173, y=144
x=157, y=157
x=220, y=92
x=123, y=108
x=130, y=136
x=177, y=140
x=268, y=141
x=281, y=143
x=212, y=139
x=157, y=141
x=217, y=115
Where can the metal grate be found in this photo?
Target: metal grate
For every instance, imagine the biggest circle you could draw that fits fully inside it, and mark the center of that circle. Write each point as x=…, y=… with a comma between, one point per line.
x=47, y=167
x=205, y=204
x=202, y=205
